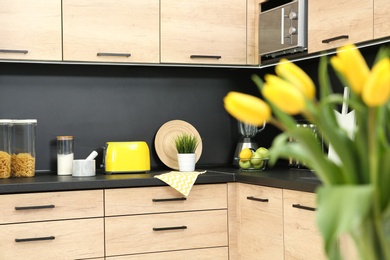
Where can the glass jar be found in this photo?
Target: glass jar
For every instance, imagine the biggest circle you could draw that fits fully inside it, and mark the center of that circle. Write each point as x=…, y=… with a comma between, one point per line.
x=23, y=147
x=64, y=155
x=5, y=148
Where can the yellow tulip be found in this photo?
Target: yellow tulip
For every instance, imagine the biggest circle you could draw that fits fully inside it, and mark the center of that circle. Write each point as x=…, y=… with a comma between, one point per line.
x=247, y=108
x=297, y=77
x=376, y=90
x=351, y=64
x=283, y=94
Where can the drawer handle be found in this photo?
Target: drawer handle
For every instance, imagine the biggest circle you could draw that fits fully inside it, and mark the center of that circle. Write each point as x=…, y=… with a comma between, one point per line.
x=169, y=228
x=14, y=51
x=205, y=57
x=168, y=199
x=335, y=38
x=113, y=54
x=299, y=206
x=36, y=207
x=257, y=199
x=31, y=239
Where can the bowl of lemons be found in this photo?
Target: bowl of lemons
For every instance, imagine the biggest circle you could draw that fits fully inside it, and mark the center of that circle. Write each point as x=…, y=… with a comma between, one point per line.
x=253, y=160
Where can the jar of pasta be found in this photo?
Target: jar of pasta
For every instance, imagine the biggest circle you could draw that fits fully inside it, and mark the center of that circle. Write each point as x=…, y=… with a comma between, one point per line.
x=23, y=147
x=5, y=148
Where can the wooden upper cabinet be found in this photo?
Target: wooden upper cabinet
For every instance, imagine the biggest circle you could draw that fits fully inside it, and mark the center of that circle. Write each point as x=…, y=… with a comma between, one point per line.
x=203, y=31
x=381, y=18
x=30, y=30
x=334, y=23
x=111, y=30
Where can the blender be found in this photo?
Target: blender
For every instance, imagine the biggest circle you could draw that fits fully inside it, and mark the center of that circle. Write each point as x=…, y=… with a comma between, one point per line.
x=247, y=132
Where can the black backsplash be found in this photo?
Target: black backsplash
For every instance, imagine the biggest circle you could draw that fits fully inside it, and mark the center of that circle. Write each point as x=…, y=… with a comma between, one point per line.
x=100, y=103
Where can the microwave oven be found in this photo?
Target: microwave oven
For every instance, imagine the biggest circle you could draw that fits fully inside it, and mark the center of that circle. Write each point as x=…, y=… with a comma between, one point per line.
x=283, y=29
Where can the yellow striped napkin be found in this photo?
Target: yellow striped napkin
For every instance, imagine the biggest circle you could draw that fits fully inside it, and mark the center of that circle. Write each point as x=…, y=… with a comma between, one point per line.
x=180, y=181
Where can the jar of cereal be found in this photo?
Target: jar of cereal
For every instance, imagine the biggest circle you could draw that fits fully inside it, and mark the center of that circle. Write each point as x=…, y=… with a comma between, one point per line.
x=23, y=147
x=5, y=148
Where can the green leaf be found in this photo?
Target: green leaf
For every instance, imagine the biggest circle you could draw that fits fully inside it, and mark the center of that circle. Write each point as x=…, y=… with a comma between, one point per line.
x=341, y=209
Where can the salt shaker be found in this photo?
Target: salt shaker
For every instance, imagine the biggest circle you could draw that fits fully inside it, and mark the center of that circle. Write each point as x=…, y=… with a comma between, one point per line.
x=65, y=155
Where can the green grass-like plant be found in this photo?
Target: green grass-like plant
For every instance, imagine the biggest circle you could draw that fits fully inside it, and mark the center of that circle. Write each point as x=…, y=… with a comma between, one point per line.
x=186, y=143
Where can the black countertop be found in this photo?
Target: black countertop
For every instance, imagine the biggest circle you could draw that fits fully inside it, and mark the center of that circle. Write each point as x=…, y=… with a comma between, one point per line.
x=301, y=180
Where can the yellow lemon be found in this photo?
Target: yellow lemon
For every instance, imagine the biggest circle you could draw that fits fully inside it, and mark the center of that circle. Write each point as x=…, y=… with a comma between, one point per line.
x=245, y=154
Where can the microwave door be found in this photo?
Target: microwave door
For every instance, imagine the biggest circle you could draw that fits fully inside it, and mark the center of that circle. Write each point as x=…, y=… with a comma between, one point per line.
x=275, y=29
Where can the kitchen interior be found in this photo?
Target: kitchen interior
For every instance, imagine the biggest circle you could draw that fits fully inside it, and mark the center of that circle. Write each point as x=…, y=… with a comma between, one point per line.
x=74, y=87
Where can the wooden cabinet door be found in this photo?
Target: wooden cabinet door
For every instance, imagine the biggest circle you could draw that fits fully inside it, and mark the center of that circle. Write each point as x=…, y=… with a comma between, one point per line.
x=302, y=239
x=111, y=30
x=149, y=233
x=216, y=253
x=334, y=23
x=41, y=206
x=203, y=31
x=65, y=239
x=146, y=200
x=260, y=219
x=381, y=18
x=30, y=30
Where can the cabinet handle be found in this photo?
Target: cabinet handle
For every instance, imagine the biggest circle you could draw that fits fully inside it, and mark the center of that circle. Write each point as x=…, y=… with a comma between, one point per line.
x=31, y=239
x=113, y=54
x=168, y=199
x=205, y=57
x=335, y=38
x=36, y=207
x=299, y=206
x=169, y=228
x=257, y=199
x=14, y=51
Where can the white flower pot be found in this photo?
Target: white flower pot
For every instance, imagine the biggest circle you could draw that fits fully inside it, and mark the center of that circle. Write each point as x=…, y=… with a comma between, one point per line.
x=186, y=162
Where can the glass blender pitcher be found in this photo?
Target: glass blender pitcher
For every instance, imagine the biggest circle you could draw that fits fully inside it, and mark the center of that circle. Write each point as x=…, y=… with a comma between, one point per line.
x=247, y=132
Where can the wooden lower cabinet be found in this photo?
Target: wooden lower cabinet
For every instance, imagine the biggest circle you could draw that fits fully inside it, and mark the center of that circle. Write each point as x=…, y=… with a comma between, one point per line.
x=302, y=239
x=67, y=239
x=159, y=223
x=217, y=253
x=259, y=222
x=270, y=223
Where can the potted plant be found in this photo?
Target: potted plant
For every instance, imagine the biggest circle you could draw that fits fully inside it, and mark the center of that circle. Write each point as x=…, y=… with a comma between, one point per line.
x=186, y=145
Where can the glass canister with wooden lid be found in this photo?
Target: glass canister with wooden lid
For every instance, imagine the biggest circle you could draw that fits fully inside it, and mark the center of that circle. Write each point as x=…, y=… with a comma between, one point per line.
x=23, y=147
x=5, y=148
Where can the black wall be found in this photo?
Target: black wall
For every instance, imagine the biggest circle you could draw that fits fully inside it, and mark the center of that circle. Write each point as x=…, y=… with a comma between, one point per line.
x=100, y=103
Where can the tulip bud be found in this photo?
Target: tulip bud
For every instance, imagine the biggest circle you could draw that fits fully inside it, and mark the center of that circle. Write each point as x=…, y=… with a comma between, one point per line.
x=350, y=63
x=376, y=90
x=297, y=77
x=284, y=95
x=247, y=108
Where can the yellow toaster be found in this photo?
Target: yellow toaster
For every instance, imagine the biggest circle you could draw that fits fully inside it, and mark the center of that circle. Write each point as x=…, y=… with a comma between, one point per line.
x=126, y=157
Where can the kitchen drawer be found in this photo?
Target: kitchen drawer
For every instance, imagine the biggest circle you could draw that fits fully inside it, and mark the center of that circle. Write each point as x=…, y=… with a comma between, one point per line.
x=164, y=199
x=50, y=206
x=164, y=232
x=218, y=253
x=69, y=239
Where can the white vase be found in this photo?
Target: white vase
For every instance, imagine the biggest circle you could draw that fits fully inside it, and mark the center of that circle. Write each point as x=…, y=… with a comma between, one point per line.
x=186, y=162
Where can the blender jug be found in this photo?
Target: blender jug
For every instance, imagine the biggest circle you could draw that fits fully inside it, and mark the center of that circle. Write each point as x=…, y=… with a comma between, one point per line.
x=247, y=132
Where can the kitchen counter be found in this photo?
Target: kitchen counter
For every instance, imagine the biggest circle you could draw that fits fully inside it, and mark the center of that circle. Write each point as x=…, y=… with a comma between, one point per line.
x=302, y=180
